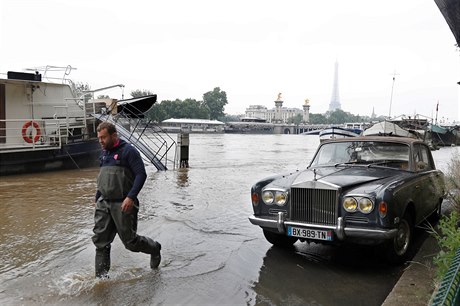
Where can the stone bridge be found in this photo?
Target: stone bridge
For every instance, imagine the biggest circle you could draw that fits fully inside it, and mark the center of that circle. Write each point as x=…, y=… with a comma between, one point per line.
x=298, y=129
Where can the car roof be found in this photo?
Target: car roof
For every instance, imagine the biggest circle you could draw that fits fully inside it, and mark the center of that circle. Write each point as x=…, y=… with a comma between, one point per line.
x=404, y=140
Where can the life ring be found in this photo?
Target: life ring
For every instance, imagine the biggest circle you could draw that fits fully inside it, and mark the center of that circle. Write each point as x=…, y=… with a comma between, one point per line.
x=28, y=138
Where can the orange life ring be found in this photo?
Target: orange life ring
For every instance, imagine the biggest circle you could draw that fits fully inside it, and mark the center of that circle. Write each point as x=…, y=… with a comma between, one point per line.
x=29, y=138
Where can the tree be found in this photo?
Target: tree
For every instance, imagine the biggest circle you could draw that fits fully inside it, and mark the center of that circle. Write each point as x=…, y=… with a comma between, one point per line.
x=337, y=117
x=230, y=118
x=141, y=93
x=318, y=119
x=189, y=108
x=297, y=119
x=215, y=101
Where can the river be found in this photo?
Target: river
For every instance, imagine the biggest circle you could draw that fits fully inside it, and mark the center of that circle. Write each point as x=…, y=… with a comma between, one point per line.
x=212, y=255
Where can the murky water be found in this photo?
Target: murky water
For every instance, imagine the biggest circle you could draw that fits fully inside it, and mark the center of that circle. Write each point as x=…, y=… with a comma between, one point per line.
x=211, y=253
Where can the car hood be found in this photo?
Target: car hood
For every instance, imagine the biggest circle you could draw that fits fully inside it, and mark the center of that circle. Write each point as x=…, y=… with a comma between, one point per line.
x=343, y=177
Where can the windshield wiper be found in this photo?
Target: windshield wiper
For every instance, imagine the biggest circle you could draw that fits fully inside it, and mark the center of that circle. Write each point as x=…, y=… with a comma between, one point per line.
x=350, y=163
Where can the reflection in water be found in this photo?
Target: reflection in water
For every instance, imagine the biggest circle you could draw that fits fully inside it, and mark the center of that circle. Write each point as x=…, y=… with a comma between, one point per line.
x=182, y=177
x=211, y=253
x=322, y=275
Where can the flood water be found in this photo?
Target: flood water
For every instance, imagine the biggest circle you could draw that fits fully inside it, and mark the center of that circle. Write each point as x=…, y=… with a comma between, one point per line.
x=212, y=255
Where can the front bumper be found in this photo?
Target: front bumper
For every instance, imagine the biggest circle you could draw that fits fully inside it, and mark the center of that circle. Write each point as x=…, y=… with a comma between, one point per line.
x=342, y=231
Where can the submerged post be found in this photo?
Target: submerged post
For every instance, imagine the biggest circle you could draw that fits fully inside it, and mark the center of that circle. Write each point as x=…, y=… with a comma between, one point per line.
x=183, y=142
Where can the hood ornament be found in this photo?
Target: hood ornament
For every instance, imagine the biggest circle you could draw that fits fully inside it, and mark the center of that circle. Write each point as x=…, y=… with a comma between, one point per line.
x=314, y=173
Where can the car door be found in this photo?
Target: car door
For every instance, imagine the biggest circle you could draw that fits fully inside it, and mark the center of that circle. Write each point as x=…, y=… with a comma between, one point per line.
x=427, y=189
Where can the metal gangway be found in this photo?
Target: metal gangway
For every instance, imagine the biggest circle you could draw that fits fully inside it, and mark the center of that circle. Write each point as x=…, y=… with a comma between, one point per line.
x=145, y=135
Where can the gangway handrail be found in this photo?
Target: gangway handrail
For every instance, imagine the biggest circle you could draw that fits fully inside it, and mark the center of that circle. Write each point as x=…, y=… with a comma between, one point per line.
x=139, y=140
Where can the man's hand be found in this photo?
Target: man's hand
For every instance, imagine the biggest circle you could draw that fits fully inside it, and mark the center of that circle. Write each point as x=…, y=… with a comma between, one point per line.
x=127, y=205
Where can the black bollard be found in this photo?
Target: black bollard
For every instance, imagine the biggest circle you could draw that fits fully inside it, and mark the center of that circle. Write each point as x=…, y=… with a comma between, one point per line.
x=183, y=142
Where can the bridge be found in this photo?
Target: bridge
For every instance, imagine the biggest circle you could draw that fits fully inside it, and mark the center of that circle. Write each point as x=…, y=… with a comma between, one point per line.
x=298, y=129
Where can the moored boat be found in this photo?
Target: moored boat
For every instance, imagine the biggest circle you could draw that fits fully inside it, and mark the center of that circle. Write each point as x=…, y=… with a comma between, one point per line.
x=444, y=135
x=49, y=123
x=337, y=132
x=387, y=128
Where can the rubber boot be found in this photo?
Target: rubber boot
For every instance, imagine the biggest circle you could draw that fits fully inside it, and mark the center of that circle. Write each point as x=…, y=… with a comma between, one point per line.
x=102, y=262
x=155, y=256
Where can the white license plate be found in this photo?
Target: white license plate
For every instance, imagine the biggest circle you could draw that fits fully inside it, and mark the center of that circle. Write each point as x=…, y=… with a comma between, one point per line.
x=309, y=233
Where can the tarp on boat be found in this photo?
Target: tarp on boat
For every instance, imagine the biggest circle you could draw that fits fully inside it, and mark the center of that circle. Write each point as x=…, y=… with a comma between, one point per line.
x=450, y=9
x=136, y=107
x=386, y=128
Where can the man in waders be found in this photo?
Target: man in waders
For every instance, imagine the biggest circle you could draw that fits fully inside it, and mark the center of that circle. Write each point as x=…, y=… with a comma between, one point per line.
x=120, y=180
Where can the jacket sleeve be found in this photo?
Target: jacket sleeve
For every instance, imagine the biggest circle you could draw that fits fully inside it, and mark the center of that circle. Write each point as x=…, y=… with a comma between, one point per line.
x=136, y=165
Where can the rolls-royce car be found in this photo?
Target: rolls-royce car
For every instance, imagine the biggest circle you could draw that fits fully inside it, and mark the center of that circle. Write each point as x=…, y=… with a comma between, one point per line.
x=362, y=190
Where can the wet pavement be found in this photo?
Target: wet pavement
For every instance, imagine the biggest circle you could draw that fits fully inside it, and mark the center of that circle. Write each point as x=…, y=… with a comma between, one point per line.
x=211, y=253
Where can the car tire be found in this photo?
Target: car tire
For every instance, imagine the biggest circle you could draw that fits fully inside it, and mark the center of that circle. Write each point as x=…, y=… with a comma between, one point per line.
x=279, y=240
x=398, y=248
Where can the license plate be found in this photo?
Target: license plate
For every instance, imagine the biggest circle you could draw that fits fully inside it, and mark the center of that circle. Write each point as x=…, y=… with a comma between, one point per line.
x=309, y=233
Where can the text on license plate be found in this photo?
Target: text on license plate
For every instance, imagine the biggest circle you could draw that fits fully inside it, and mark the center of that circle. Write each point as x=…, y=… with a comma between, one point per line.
x=309, y=233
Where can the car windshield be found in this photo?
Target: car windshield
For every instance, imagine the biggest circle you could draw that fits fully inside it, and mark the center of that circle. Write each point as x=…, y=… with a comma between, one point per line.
x=363, y=152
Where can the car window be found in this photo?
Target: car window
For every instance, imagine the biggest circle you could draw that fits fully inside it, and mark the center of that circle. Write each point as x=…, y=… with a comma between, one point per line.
x=422, y=158
x=363, y=152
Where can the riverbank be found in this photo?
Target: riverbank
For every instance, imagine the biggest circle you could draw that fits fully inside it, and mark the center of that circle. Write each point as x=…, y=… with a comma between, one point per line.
x=417, y=284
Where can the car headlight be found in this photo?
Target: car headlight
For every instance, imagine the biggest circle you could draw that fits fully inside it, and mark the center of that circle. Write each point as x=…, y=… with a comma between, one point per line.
x=365, y=205
x=350, y=204
x=277, y=197
x=268, y=197
x=280, y=198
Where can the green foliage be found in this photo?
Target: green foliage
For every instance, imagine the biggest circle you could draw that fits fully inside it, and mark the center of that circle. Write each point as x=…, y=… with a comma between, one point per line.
x=297, y=119
x=318, y=119
x=449, y=241
x=453, y=181
x=229, y=118
x=141, y=93
x=337, y=117
x=189, y=108
x=448, y=235
x=215, y=101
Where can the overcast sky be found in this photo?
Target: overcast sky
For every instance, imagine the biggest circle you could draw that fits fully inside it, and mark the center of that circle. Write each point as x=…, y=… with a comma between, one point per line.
x=252, y=50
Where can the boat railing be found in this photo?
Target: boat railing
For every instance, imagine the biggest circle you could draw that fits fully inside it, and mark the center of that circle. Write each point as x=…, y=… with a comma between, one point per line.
x=30, y=134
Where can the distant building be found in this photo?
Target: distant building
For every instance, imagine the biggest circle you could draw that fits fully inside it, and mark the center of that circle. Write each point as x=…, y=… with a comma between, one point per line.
x=278, y=114
x=335, y=98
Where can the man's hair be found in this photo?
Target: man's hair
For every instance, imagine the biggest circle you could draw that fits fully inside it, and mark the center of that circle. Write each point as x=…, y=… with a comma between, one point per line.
x=108, y=126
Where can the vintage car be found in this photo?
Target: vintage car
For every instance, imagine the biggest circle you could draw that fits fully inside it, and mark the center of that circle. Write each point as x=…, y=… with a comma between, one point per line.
x=364, y=190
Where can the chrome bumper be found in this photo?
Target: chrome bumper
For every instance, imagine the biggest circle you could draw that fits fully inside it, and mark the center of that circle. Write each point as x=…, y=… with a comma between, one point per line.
x=341, y=230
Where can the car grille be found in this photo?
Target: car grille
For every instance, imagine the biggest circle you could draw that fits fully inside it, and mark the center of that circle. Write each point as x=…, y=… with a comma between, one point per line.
x=318, y=206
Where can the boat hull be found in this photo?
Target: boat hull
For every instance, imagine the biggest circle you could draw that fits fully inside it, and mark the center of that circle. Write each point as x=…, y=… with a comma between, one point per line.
x=76, y=155
x=336, y=132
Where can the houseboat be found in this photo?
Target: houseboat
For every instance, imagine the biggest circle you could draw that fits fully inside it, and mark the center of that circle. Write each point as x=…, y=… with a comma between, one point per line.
x=46, y=122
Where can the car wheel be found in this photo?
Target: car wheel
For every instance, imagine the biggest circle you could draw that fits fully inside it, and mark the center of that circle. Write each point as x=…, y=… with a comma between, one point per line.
x=279, y=240
x=397, y=249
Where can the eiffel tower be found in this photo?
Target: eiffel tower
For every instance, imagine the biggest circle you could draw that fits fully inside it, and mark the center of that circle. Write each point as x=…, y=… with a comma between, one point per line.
x=335, y=99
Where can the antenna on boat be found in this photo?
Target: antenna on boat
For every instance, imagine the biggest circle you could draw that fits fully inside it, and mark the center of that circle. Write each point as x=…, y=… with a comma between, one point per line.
x=391, y=97
x=437, y=107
